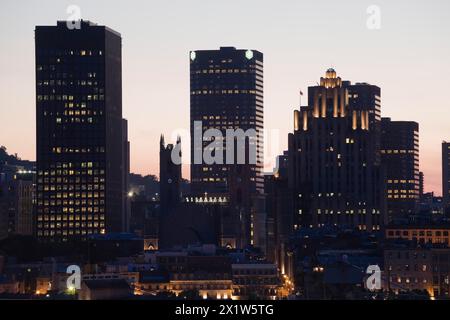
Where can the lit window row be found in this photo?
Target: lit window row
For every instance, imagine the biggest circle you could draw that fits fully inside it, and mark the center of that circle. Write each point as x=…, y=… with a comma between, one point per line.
x=88, y=97
x=71, y=217
x=397, y=151
x=77, y=150
x=47, y=233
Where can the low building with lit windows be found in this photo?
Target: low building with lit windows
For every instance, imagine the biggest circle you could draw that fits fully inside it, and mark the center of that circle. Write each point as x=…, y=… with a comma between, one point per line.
x=210, y=273
x=411, y=268
x=16, y=200
x=255, y=280
x=9, y=285
x=437, y=234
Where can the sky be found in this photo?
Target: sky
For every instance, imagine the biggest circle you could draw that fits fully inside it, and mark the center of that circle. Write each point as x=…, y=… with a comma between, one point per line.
x=407, y=56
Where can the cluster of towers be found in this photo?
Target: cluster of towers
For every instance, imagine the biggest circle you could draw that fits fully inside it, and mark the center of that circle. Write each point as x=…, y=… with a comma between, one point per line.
x=345, y=165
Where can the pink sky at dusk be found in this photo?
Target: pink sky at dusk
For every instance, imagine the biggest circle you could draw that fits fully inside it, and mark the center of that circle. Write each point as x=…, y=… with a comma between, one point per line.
x=408, y=58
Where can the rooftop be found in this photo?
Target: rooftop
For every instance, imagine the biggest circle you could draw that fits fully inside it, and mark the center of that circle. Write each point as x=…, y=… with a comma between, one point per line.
x=107, y=284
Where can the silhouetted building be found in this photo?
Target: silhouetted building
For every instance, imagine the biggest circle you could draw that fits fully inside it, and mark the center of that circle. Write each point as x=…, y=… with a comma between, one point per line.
x=126, y=205
x=105, y=289
x=169, y=175
x=446, y=176
x=423, y=268
x=331, y=262
x=334, y=158
x=197, y=220
x=400, y=159
x=422, y=234
x=145, y=221
x=431, y=206
x=421, y=184
x=16, y=194
x=107, y=247
x=4, y=212
x=279, y=212
x=82, y=149
x=16, y=201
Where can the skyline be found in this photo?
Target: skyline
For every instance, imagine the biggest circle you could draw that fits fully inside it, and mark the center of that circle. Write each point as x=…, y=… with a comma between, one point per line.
x=158, y=75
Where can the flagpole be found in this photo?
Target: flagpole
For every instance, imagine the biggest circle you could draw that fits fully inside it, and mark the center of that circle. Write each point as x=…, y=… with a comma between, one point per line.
x=301, y=93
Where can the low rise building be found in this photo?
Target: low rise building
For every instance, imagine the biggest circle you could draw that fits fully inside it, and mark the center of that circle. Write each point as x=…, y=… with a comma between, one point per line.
x=255, y=280
x=410, y=268
x=9, y=285
x=438, y=233
x=106, y=289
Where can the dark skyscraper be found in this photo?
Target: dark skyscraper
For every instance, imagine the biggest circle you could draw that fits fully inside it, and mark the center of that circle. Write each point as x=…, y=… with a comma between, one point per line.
x=446, y=176
x=400, y=159
x=334, y=162
x=227, y=93
x=126, y=201
x=82, y=149
x=170, y=176
x=279, y=213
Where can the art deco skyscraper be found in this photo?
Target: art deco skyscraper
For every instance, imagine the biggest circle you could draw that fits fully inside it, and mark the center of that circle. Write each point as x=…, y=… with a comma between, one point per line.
x=82, y=148
x=334, y=158
x=400, y=159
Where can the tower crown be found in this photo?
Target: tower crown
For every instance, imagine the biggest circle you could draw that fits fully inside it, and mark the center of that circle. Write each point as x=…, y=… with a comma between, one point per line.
x=331, y=73
x=331, y=80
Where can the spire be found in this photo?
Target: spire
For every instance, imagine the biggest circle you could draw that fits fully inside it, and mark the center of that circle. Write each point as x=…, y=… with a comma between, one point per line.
x=161, y=141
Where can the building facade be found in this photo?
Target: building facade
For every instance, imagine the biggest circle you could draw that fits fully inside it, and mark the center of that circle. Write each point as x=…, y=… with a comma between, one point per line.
x=226, y=93
x=400, y=158
x=436, y=234
x=227, y=138
x=16, y=201
x=334, y=159
x=279, y=213
x=170, y=175
x=446, y=176
x=418, y=269
x=82, y=148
